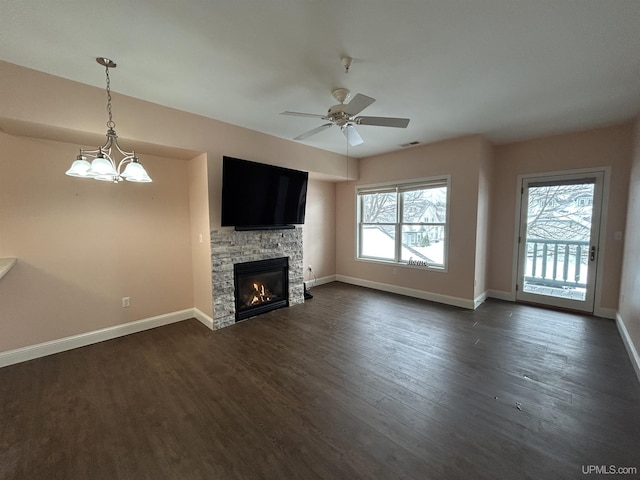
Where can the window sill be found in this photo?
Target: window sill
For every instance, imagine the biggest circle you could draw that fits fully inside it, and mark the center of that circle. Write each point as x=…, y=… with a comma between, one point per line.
x=391, y=263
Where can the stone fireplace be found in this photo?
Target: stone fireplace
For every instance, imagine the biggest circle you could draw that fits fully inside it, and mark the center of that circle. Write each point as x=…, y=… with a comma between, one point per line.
x=230, y=248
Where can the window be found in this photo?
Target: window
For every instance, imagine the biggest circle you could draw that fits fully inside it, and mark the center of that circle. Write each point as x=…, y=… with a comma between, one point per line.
x=404, y=223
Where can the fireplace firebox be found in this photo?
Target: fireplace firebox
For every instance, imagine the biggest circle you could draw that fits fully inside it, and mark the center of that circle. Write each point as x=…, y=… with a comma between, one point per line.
x=260, y=286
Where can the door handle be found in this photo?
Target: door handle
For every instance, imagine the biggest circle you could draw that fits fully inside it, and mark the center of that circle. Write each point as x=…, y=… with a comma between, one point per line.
x=592, y=253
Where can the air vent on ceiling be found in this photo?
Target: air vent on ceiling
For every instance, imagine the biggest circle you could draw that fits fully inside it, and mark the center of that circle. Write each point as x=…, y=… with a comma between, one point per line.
x=410, y=144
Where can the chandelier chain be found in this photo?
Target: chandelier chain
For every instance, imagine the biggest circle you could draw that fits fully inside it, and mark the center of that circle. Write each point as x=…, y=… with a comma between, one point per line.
x=110, y=124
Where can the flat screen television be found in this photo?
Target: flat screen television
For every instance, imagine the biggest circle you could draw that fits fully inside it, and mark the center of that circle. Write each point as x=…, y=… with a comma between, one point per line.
x=259, y=196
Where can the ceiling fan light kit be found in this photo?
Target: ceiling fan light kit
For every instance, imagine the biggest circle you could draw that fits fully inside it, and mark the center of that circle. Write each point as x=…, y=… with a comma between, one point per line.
x=341, y=94
x=345, y=116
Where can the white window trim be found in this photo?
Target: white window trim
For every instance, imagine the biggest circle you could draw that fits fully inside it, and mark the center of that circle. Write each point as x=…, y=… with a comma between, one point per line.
x=401, y=185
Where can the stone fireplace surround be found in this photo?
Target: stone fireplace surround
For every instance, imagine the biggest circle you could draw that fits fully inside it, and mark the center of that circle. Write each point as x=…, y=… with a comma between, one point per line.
x=229, y=246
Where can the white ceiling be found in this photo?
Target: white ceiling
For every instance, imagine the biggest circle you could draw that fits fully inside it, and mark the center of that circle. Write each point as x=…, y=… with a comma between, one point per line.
x=508, y=69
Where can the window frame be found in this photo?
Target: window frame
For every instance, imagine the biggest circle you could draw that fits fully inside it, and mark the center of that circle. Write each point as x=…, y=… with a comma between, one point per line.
x=399, y=187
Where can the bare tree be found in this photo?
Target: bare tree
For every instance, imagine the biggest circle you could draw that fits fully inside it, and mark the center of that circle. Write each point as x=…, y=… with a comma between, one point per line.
x=418, y=207
x=379, y=208
x=560, y=212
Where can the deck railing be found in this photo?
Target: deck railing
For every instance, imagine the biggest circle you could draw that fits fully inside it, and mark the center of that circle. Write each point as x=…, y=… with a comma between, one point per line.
x=557, y=263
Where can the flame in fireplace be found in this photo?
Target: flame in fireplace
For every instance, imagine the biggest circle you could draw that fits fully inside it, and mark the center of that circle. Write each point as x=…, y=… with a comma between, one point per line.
x=260, y=295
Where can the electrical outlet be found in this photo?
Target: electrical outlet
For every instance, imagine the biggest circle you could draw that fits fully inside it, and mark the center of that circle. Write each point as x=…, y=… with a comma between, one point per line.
x=126, y=302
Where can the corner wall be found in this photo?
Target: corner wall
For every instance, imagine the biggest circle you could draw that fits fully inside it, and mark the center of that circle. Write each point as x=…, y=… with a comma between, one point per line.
x=200, y=241
x=462, y=159
x=82, y=245
x=629, y=312
x=602, y=147
x=483, y=223
x=319, y=232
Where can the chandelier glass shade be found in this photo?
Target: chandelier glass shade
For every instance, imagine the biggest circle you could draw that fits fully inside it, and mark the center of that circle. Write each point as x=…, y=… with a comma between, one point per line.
x=103, y=166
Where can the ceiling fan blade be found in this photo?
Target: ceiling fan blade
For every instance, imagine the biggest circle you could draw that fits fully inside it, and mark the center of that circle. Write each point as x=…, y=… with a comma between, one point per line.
x=383, y=121
x=353, y=137
x=299, y=114
x=313, y=132
x=358, y=103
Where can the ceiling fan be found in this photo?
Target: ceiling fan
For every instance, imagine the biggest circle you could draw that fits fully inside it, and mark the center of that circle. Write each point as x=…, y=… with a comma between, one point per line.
x=344, y=115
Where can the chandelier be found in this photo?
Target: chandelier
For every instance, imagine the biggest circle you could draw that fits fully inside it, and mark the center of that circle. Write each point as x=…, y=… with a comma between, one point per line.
x=103, y=166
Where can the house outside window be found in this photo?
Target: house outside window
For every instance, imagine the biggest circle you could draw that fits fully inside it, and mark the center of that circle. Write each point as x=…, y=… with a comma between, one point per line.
x=404, y=222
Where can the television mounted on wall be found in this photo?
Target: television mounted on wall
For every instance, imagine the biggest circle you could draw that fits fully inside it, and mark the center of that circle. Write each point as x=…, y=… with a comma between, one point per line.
x=257, y=196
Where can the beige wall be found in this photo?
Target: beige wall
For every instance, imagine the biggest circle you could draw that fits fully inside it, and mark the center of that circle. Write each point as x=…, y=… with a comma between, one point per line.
x=604, y=147
x=483, y=222
x=82, y=245
x=67, y=110
x=319, y=232
x=200, y=240
x=630, y=284
x=460, y=158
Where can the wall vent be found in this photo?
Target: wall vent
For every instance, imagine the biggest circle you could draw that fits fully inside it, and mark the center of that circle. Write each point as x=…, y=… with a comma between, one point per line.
x=410, y=144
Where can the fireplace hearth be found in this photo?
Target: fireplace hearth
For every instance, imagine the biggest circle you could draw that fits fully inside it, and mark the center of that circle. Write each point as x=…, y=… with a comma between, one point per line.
x=260, y=286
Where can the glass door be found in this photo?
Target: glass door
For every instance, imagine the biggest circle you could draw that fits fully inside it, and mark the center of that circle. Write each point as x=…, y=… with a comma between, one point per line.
x=558, y=240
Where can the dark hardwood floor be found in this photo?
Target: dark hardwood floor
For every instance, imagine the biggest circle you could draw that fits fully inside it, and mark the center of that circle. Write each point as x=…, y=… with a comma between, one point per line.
x=354, y=384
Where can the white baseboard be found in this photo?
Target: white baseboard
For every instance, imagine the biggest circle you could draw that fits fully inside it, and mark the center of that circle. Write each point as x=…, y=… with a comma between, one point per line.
x=31, y=352
x=500, y=295
x=629, y=345
x=319, y=281
x=203, y=318
x=479, y=300
x=409, y=292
